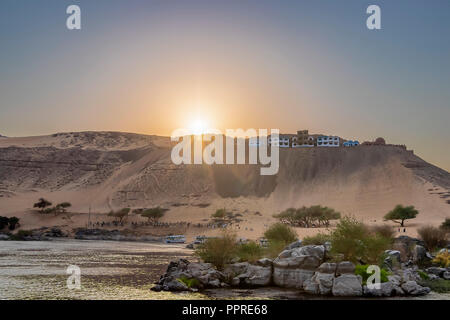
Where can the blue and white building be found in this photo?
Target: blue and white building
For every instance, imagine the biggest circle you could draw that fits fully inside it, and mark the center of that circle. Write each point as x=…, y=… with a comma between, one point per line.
x=328, y=141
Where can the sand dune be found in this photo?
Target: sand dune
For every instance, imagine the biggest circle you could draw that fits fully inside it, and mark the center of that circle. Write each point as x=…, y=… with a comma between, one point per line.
x=110, y=170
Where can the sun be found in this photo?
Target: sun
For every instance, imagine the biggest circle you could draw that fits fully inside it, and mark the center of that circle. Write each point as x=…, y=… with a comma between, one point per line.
x=198, y=126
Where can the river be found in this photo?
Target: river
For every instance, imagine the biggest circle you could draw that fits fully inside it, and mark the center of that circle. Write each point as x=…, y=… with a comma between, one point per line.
x=109, y=270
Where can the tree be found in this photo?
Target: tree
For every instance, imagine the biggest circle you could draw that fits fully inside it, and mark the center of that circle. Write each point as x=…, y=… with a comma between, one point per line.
x=401, y=213
x=61, y=207
x=42, y=204
x=121, y=214
x=306, y=217
x=13, y=222
x=3, y=222
x=153, y=213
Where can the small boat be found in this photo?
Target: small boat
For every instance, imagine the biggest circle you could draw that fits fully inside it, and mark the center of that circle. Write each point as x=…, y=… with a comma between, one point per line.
x=175, y=239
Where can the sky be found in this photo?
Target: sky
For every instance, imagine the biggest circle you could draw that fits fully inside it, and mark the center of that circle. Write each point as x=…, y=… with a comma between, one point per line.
x=154, y=66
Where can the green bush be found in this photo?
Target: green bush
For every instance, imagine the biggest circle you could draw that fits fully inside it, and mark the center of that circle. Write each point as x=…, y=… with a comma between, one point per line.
x=219, y=214
x=274, y=248
x=361, y=270
x=153, y=213
x=250, y=251
x=120, y=215
x=13, y=222
x=423, y=275
x=307, y=216
x=433, y=237
x=317, y=239
x=218, y=251
x=354, y=242
x=280, y=233
x=3, y=222
x=189, y=282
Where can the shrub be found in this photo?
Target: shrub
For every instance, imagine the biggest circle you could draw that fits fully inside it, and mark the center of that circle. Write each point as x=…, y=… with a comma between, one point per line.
x=62, y=207
x=306, y=217
x=274, y=248
x=401, y=213
x=280, y=233
x=189, y=282
x=250, y=251
x=218, y=251
x=443, y=259
x=423, y=275
x=352, y=240
x=4, y=221
x=384, y=230
x=219, y=214
x=153, y=213
x=446, y=225
x=433, y=237
x=361, y=269
x=21, y=235
x=13, y=221
x=317, y=239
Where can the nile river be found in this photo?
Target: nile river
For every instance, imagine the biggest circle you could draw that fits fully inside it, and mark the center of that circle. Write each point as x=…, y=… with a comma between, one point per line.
x=109, y=270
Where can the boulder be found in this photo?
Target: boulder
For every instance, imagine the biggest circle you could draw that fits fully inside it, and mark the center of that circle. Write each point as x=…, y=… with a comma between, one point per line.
x=408, y=274
x=291, y=278
x=293, y=245
x=385, y=289
x=393, y=259
x=328, y=267
x=446, y=275
x=414, y=289
x=265, y=262
x=325, y=282
x=207, y=276
x=347, y=285
x=436, y=271
x=293, y=267
x=345, y=267
x=405, y=245
x=310, y=286
x=4, y=236
x=421, y=255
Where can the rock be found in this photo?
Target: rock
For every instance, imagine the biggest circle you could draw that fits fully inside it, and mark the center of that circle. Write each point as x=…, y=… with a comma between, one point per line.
x=285, y=254
x=347, y=285
x=3, y=237
x=327, y=246
x=386, y=289
x=307, y=258
x=206, y=275
x=420, y=254
x=293, y=245
x=414, y=289
x=310, y=286
x=436, y=271
x=405, y=245
x=446, y=275
x=248, y=275
x=345, y=267
x=291, y=278
x=408, y=274
x=395, y=279
x=156, y=288
x=265, y=262
x=393, y=259
x=325, y=282
x=311, y=250
x=328, y=267
x=175, y=285
x=432, y=276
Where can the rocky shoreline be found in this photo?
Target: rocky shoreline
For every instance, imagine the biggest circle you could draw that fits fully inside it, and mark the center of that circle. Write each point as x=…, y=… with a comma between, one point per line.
x=304, y=268
x=47, y=234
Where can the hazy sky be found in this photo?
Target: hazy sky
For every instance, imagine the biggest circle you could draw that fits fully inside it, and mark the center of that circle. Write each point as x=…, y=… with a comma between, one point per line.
x=154, y=66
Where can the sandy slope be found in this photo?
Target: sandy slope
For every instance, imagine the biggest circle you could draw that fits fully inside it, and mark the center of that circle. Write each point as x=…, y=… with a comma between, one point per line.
x=104, y=171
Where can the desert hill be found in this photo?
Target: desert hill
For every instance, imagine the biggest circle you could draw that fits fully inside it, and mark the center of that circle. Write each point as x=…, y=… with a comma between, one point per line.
x=111, y=170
